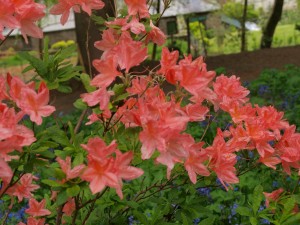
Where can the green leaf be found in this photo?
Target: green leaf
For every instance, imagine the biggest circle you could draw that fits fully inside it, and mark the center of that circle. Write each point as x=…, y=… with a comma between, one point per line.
x=58, y=136
x=86, y=80
x=51, y=183
x=140, y=216
x=64, y=89
x=243, y=211
x=253, y=221
x=208, y=221
x=257, y=198
x=132, y=204
x=293, y=220
x=62, y=197
x=184, y=219
x=79, y=104
x=73, y=191
x=119, y=89
x=36, y=63
x=79, y=159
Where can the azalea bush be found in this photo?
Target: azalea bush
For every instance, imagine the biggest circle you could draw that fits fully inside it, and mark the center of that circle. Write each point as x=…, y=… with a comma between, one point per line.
x=130, y=155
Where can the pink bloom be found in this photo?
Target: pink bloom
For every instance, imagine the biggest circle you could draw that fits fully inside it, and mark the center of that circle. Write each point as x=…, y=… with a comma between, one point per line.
x=230, y=88
x=66, y=168
x=35, y=104
x=137, y=7
x=7, y=18
x=152, y=137
x=37, y=208
x=156, y=35
x=105, y=170
x=194, y=163
x=108, y=41
x=88, y=5
x=28, y=15
x=123, y=170
x=69, y=207
x=24, y=187
x=222, y=160
x=99, y=171
x=138, y=85
x=108, y=72
x=100, y=96
x=6, y=173
x=34, y=221
x=134, y=26
x=196, y=112
x=168, y=61
x=130, y=53
x=273, y=196
x=64, y=6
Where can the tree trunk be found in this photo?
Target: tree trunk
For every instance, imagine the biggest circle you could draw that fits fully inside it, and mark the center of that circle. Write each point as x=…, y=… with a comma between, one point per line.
x=87, y=33
x=244, y=19
x=269, y=30
x=154, y=49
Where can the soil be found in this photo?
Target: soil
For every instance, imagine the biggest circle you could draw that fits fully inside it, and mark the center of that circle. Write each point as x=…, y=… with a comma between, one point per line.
x=247, y=65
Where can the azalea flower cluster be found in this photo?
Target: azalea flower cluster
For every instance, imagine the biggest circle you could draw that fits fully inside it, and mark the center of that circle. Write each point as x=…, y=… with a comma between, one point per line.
x=22, y=15
x=163, y=119
x=64, y=8
x=160, y=118
x=19, y=100
x=105, y=170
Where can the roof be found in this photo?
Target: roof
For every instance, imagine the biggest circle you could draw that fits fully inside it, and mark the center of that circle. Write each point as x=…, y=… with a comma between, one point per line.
x=184, y=7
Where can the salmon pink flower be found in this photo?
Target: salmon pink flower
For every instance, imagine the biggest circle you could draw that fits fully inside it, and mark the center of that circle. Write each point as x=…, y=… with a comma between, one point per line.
x=134, y=26
x=63, y=7
x=7, y=18
x=137, y=7
x=108, y=72
x=100, y=96
x=105, y=170
x=168, y=61
x=66, y=168
x=273, y=196
x=69, y=207
x=194, y=162
x=129, y=52
x=35, y=104
x=156, y=35
x=37, y=208
x=230, y=89
x=34, y=221
x=24, y=187
x=28, y=15
x=6, y=173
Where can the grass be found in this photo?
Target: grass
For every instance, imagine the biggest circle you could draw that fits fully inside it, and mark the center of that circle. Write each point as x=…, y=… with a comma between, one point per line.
x=11, y=60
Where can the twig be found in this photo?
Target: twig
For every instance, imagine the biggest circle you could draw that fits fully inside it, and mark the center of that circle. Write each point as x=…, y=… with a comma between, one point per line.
x=2, y=42
x=87, y=43
x=77, y=127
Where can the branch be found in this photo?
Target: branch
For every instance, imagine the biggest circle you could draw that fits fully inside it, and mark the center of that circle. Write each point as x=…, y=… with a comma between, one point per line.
x=2, y=42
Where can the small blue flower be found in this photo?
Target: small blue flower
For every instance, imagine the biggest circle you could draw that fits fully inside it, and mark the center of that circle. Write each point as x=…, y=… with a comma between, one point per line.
x=250, y=154
x=204, y=191
x=264, y=221
x=262, y=89
x=196, y=221
x=275, y=184
x=233, y=209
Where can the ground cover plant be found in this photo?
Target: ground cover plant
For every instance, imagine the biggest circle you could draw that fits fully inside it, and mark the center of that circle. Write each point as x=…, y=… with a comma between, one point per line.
x=131, y=154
